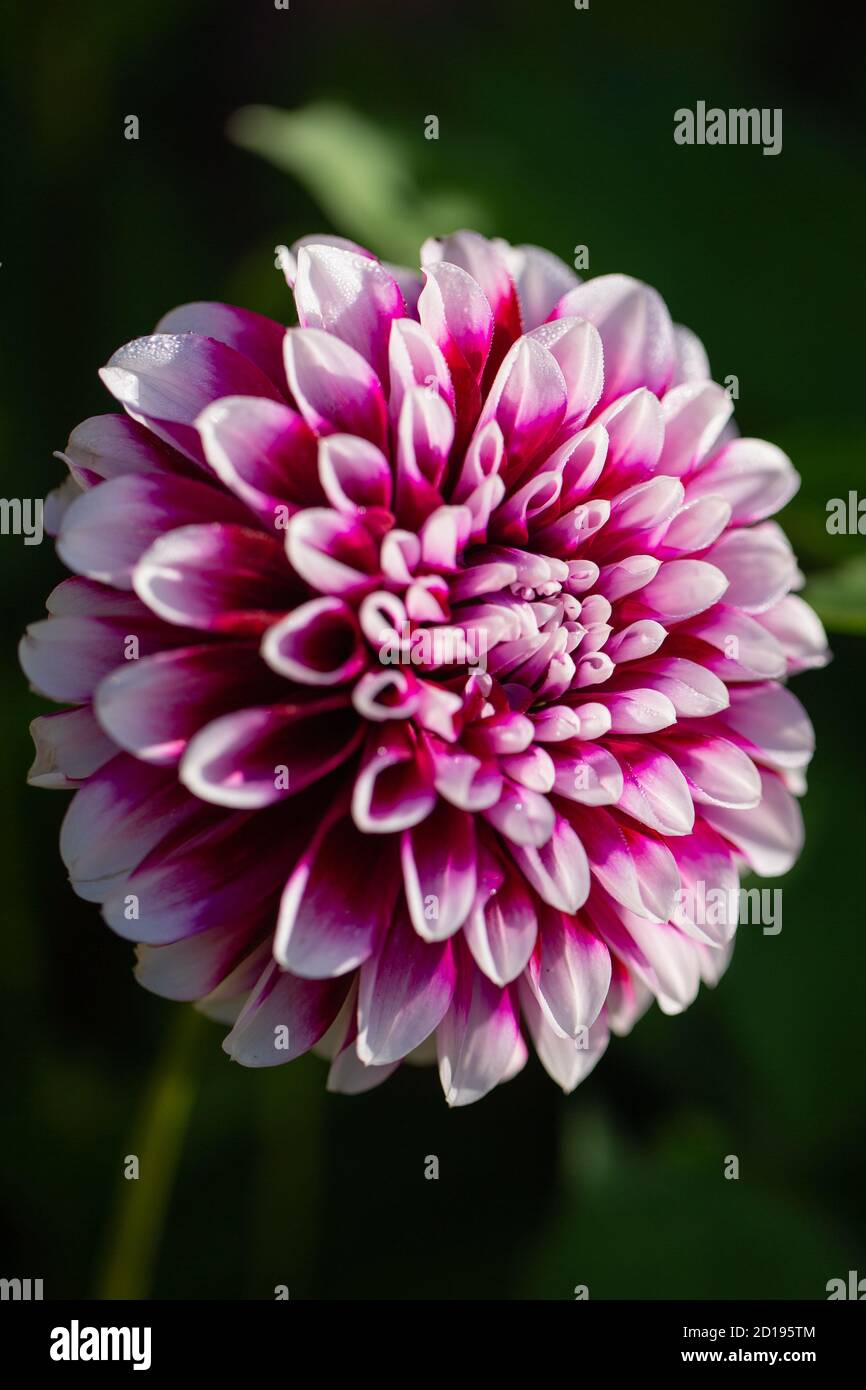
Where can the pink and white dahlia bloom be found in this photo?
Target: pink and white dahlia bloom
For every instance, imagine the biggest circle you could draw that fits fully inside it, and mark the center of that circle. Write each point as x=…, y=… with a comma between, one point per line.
x=424, y=664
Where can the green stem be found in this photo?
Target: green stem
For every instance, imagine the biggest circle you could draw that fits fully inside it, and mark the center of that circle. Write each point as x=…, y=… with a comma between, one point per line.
x=136, y=1231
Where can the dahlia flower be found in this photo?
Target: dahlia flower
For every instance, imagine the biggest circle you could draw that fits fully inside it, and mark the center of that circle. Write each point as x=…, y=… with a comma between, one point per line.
x=424, y=663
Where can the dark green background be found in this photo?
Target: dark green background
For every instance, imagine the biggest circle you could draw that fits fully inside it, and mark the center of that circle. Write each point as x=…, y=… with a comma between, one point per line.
x=558, y=125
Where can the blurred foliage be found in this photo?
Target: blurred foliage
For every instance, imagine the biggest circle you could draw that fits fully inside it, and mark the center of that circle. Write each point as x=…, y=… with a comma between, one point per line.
x=357, y=173
x=840, y=597
x=556, y=128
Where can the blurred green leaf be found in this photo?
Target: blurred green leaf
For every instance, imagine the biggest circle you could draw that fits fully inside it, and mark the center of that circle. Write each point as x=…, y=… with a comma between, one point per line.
x=358, y=173
x=839, y=597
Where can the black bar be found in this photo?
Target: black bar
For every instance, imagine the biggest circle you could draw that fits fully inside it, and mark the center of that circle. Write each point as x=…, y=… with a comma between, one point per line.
x=249, y=1339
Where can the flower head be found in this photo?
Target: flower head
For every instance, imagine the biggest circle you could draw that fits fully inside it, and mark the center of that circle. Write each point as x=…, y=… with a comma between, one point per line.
x=424, y=664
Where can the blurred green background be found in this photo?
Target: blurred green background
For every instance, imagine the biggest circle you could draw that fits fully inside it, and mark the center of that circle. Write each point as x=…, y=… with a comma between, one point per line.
x=555, y=127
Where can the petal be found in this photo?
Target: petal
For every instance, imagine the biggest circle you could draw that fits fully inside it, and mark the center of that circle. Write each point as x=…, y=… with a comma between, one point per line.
x=645, y=507
x=106, y=446
x=254, y=757
x=425, y=433
x=774, y=723
x=197, y=965
x=719, y=773
x=455, y=312
x=334, y=553
x=115, y=820
x=318, y=643
x=350, y=296
x=587, y=773
x=692, y=363
x=415, y=360
x=566, y=1061
x=329, y=921
x=404, y=992
x=263, y=452
x=708, y=901
x=635, y=329
x=635, y=427
x=639, y=710
x=466, y=781
x=394, y=788
x=107, y=530
x=350, y=1077
x=70, y=746
x=439, y=858
x=638, y=639
x=576, y=346
x=632, y=573
x=212, y=869
x=744, y=649
x=217, y=579
x=524, y=817
x=336, y=390
x=558, y=870
x=695, y=414
x=152, y=707
x=477, y=1038
x=486, y=263
x=696, y=525
x=282, y=1007
x=66, y=657
x=755, y=477
x=253, y=335
x=655, y=790
x=569, y=972
x=759, y=565
x=165, y=381
x=636, y=870
x=289, y=262
x=355, y=475
x=693, y=691
x=540, y=278
x=502, y=927
x=386, y=694
x=683, y=588
x=798, y=630
x=527, y=400
x=770, y=836
x=663, y=957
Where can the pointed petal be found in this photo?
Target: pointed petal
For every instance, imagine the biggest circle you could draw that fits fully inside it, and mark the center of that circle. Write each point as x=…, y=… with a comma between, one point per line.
x=330, y=921
x=335, y=389
x=404, y=992
x=755, y=477
x=635, y=329
x=477, y=1038
x=350, y=296
x=152, y=707
x=770, y=836
x=263, y=452
x=439, y=861
x=569, y=972
x=216, y=578
x=283, y=1018
x=165, y=381
x=106, y=531
x=502, y=927
x=558, y=871
x=253, y=335
x=254, y=757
